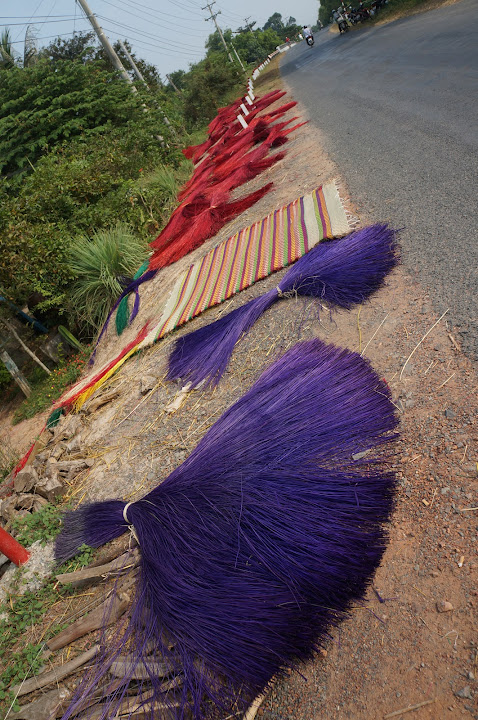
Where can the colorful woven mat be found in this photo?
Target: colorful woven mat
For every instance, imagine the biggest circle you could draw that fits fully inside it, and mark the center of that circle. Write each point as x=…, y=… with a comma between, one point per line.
x=253, y=253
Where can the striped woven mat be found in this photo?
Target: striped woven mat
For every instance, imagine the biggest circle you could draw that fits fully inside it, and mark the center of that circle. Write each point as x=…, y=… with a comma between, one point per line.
x=253, y=253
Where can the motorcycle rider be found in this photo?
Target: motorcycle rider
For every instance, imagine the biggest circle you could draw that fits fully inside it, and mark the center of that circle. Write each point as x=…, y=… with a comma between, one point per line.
x=339, y=18
x=306, y=32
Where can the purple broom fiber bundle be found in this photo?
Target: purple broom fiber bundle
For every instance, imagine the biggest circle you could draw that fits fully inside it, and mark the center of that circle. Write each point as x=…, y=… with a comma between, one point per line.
x=260, y=542
x=340, y=272
x=132, y=287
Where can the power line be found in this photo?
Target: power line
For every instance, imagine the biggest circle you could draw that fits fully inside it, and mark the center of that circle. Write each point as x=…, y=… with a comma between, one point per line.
x=160, y=12
x=173, y=2
x=142, y=33
x=46, y=37
x=43, y=22
x=135, y=14
x=155, y=45
x=27, y=17
x=29, y=21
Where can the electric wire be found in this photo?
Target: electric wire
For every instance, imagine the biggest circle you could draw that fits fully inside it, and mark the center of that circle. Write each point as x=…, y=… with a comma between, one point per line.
x=34, y=12
x=135, y=14
x=150, y=36
x=134, y=4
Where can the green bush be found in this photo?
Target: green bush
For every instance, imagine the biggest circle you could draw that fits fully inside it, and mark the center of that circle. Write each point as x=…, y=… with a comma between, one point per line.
x=98, y=265
x=5, y=377
x=43, y=106
x=43, y=525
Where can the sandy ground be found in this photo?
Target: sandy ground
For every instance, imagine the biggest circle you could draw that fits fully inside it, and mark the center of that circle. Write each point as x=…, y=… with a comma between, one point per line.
x=389, y=655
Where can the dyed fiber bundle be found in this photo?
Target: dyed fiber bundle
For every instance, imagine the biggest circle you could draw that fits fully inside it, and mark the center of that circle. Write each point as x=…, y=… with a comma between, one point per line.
x=251, y=165
x=342, y=273
x=123, y=316
x=248, y=170
x=75, y=398
x=132, y=287
x=269, y=98
x=203, y=226
x=259, y=542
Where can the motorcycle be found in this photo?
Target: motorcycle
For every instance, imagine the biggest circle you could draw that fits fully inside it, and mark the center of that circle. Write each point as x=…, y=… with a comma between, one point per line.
x=310, y=40
x=343, y=24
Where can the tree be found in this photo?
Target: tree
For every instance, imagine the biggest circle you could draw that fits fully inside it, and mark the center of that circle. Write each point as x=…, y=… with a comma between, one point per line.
x=41, y=108
x=274, y=23
x=85, y=48
x=177, y=78
x=253, y=47
x=81, y=46
x=325, y=10
x=283, y=29
x=210, y=83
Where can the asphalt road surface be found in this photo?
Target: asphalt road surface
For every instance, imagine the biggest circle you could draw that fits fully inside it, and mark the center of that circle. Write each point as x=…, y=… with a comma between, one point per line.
x=397, y=106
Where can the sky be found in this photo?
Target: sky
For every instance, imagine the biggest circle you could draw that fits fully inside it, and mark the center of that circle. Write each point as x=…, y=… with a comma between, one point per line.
x=170, y=34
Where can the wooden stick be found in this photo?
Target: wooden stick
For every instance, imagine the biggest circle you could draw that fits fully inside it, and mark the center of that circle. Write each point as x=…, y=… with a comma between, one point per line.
x=55, y=675
x=25, y=347
x=423, y=338
x=127, y=561
x=408, y=709
x=252, y=711
x=47, y=706
x=105, y=614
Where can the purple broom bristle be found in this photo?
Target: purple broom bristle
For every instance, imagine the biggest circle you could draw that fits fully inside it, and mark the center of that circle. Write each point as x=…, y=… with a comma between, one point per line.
x=132, y=287
x=260, y=542
x=340, y=272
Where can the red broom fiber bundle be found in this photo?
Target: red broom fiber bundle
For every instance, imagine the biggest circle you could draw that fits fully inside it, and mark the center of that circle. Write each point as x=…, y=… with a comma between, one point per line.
x=273, y=113
x=180, y=217
x=269, y=98
x=222, y=170
x=204, y=226
x=67, y=404
x=195, y=151
x=222, y=121
x=217, y=127
x=248, y=171
x=229, y=161
x=282, y=109
x=219, y=155
x=196, y=179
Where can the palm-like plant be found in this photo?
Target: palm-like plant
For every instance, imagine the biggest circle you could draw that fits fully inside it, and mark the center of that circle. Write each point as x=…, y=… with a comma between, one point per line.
x=100, y=265
x=7, y=60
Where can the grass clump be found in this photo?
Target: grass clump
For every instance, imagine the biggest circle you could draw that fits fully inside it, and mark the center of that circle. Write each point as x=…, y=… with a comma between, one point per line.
x=101, y=265
x=8, y=459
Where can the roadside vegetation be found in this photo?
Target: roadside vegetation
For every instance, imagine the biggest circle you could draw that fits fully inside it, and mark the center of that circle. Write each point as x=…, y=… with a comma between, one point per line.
x=89, y=174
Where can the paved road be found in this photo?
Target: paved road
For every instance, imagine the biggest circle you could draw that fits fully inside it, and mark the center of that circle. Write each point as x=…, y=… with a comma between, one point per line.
x=398, y=108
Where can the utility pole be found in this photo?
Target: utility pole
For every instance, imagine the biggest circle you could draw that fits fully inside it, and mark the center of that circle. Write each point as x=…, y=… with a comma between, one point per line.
x=213, y=16
x=180, y=92
x=133, y=64
x=235, y=53
x=106, y=44
x=249, y=25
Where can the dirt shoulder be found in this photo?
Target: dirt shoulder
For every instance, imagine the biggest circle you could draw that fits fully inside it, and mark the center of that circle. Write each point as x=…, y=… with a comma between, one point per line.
x=389, y=655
